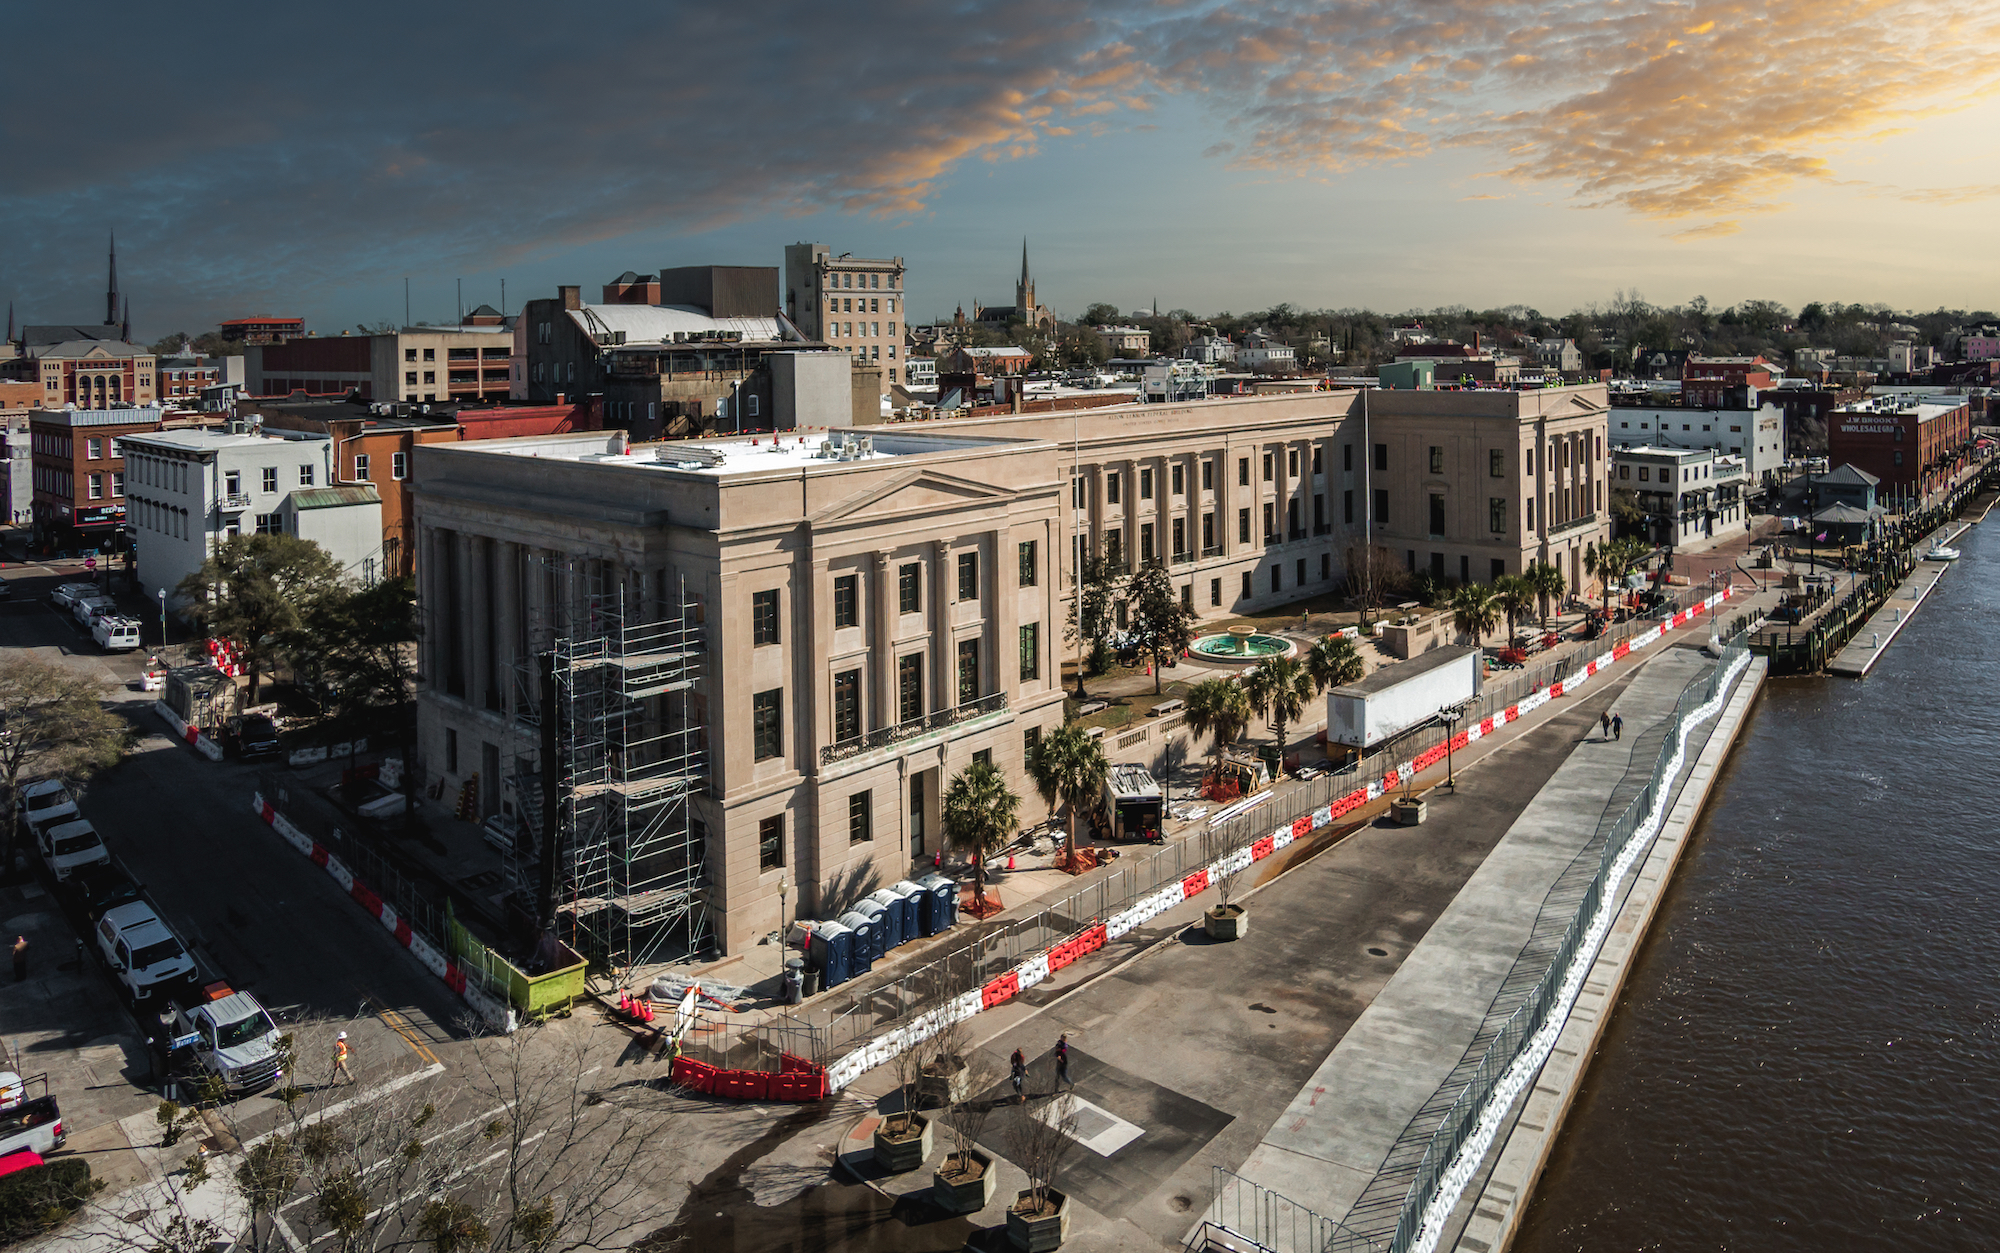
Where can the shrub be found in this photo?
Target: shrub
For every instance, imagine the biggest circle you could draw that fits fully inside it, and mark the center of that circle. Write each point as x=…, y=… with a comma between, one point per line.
x=41, y=1197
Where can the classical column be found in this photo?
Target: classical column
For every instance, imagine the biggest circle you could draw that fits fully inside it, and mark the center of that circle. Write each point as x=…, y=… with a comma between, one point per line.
x=882, y=640
x=944, y=668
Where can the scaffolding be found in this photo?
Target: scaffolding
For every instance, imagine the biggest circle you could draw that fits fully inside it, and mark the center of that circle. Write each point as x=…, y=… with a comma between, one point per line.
x=624, y=873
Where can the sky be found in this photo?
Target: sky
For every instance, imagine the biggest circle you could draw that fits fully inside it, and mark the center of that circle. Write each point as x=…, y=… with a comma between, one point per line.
x=1387, y=154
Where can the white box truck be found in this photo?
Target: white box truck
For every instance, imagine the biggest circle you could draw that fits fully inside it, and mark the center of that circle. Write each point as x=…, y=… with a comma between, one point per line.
x=1396, y=698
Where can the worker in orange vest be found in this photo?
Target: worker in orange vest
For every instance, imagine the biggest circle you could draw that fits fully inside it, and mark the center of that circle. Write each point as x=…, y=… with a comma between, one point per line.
x=340, y=1070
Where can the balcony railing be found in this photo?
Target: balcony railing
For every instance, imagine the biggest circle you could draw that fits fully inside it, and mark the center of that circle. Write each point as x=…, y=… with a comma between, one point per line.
x=233, y=502
x=1213, y=550
x=938, y=721
x=1573, y=523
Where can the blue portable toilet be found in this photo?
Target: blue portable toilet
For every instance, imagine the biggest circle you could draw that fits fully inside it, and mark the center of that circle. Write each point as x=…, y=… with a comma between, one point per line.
x=888, y=924
x=904, y=929
x=943, y=893
x=832, y=953
x=914, y=899
x=862, y=927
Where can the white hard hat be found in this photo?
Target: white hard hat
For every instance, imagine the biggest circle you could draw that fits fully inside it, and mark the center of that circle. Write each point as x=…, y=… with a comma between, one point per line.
x=341, y=1036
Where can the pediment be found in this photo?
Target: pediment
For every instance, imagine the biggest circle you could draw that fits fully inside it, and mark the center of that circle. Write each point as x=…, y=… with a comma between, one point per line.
x=914, y=491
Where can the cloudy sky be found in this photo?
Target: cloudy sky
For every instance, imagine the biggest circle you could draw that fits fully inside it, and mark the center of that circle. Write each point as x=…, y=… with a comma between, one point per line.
x=304, y=160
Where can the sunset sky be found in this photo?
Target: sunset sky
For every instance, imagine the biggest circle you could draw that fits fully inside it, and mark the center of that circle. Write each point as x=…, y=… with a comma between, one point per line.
x=1392, y=154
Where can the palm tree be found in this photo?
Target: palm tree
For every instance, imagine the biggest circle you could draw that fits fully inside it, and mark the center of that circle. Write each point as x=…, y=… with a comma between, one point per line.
x=1473, y=612
x=1278, y=690
x=1218, y=705
x=1068, y=768
x=1334, y=662
x=1549, y=585
x=1597, y=563
x=1515, y=596
x=980, y=817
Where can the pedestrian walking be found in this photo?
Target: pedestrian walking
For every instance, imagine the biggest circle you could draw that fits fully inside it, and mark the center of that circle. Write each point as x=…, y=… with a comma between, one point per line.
x=1606, y=718
x=1018, y=1072
x=1062, y=1060
x=340, y=1070
x=1617, y=726
x=20, y=959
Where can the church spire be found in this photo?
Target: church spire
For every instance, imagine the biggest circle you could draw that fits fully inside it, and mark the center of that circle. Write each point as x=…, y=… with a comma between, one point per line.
x=1025, y=280
x=111, y=294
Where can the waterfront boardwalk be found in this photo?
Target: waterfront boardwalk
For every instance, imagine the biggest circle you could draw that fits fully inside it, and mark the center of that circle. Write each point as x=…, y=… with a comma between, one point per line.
x=1869, y=643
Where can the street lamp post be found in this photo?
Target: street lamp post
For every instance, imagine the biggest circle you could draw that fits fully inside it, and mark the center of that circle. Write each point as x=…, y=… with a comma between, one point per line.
x=1450, y=718
x=784, y=891
x=163, y=620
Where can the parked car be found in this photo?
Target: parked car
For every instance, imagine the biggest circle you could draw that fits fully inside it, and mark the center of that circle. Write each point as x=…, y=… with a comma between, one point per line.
x=251, y=736
x=142, y=953
x=45, y=801
x=69, y=846
x=66, y=596
x=100, y=887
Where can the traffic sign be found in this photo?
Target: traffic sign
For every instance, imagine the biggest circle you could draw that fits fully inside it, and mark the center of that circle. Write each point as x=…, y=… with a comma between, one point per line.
x=90, y=563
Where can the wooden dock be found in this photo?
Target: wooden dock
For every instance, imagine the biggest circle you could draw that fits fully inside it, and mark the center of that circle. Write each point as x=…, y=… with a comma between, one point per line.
x=1874, y=636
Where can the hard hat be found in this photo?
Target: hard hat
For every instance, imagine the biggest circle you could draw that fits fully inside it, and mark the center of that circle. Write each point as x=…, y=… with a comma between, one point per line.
x=341, y=1036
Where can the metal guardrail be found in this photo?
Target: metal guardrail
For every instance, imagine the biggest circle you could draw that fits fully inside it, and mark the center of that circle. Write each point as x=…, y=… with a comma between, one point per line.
x=1246, y=1217
x=1459, y=1121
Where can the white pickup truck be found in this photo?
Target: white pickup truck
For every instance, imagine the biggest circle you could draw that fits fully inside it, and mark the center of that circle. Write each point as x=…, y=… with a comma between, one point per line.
x=229, y=1036
x=139, y=949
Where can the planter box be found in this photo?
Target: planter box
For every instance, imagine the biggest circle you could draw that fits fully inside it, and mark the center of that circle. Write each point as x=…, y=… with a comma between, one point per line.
x=1042, y=1233
x=903, y=1151
x=1227, y=922
x=1410, y=811
x=965, y=1194
x=947, y=1087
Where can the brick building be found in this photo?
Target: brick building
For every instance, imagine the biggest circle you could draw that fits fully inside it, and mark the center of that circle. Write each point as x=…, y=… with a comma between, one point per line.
x=853, y=303
x=1706, y=381
x=1907, y=442
x=79, y=475
x=418, y=364
x=263, y=330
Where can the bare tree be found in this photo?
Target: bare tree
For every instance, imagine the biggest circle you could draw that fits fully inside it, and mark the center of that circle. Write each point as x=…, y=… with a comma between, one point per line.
x=518, y=1148
x=1039, y=1137
x=52, y=721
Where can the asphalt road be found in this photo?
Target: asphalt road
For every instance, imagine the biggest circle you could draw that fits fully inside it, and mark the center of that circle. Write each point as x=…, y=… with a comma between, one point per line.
x=254, y=912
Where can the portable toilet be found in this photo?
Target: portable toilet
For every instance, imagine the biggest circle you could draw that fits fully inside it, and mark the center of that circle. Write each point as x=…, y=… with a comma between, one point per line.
x=943, y=895
x=914, y=899
x=832, y=953
x=904, y=928
x=862, y=928
x=888, y=923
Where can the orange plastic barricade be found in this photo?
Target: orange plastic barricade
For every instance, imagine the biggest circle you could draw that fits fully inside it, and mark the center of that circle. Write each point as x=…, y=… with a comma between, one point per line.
x=1000, y=989
x=1194, y=883
x=1062, y=955
x=1620, y=650
x=689, y=1073
x=1261, y=849
x=1302, y=826
x=1092, y=940
x=793, y=1064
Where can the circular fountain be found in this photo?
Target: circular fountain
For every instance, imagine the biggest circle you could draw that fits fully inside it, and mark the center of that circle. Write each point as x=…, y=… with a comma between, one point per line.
x=1242, y=645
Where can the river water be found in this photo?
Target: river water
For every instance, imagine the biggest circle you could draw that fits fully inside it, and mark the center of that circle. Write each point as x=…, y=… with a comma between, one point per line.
x=1805, y=1055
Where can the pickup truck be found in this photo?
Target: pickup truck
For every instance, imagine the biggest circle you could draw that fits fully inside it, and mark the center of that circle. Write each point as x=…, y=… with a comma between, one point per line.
x=29, y=1123
x=230, y=1036
x=142, y=954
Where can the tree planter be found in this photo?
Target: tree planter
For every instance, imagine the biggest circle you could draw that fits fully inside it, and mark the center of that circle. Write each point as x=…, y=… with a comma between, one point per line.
x=1227, y=922
x=1409, y=811
x=944, y=1082
x=905, y=1148
x=964, y=1187
x=1038, y=1233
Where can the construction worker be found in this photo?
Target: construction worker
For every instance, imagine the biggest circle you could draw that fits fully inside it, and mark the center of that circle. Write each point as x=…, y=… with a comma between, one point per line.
x=340, y=1070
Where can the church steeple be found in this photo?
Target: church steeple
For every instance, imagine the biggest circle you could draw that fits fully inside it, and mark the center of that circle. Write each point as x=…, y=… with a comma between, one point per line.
x=111, y=293
x=1024, y=290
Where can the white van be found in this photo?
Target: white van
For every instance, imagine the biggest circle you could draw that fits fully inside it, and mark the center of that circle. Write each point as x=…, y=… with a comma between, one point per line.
x=140, y=951
x=88, y=608
x=68, y=845
x=44, y=802
x=114, y=634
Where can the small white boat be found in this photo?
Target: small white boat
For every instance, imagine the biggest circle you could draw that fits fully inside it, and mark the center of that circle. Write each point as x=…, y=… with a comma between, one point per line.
x=1939, y=552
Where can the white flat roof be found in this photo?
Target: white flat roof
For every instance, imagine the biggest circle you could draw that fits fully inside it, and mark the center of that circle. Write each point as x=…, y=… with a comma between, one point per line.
x=211, y=441
x=653, y=323
x=749, y=454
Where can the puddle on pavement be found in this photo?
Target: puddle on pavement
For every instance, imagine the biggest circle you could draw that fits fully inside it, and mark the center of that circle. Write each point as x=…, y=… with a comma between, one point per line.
x=720, y=1215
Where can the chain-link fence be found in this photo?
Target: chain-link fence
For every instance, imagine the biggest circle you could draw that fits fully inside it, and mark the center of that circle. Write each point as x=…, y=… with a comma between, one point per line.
x=1460, y=1120
x=419, y=903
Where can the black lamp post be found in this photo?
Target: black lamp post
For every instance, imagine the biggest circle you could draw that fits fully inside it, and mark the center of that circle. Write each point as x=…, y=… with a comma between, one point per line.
x=1450, y=719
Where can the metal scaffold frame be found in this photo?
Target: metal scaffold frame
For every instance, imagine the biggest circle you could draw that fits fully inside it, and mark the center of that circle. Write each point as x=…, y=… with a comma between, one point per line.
x=627, y=883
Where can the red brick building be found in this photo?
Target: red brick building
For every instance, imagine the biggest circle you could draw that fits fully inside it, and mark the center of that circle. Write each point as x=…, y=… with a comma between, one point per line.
x=263, y=330
x=79, y=478
x=1905, y=441
x=1705, y=381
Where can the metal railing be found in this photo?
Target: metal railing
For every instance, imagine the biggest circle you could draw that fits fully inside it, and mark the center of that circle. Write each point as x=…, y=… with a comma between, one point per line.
x=1466, y=1109
x=1246, y=1217
x=935, y=721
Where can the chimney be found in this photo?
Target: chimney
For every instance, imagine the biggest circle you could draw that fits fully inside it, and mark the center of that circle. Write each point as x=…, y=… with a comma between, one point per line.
x=559, y=399
x=572, y=296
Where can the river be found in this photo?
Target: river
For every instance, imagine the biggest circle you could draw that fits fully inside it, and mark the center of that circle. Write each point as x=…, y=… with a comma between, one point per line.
x=1805, y=1055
